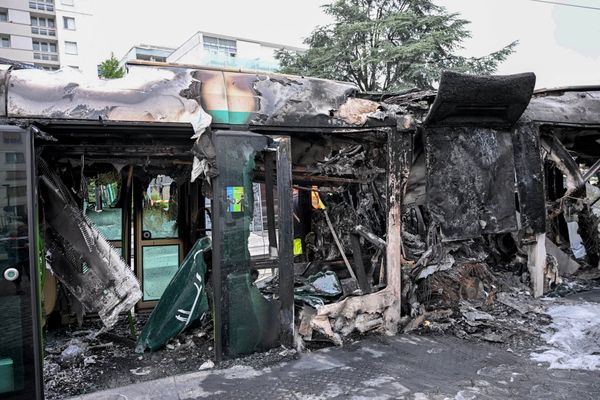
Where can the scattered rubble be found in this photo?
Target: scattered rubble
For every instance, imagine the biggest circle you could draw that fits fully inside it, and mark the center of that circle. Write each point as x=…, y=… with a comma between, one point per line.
x=437, y=213
x=105, y=361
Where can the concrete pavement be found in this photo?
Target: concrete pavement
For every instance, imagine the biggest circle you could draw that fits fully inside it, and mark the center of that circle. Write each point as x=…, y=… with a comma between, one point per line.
x=401, y=367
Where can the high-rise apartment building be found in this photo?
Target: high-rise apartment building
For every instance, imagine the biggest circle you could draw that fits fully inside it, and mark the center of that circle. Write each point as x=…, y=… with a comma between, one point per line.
x=47, y=33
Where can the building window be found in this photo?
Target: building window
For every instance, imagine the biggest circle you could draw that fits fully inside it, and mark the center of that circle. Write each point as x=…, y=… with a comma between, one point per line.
x=3, y=16
x=4, y=41
x=44, y=51
x=16, y=175
x=14, y=158
x=46, y=67
x=222, y=47
x=16, y=191
x=42, y=5
x=69, y=23
x=70, y=47
x=11, y=138
x=43, y=26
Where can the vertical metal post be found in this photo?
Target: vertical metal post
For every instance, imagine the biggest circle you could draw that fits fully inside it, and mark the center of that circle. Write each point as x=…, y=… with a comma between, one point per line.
x=359, y=267
x=217, y=275
x=286, y=241
x=33, y=223
x=269, y=183
x=193, y=201
x=126, y=217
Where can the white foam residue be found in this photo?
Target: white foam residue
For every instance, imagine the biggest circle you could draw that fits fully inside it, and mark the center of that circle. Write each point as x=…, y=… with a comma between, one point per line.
x=573, y=338
x=373, y=352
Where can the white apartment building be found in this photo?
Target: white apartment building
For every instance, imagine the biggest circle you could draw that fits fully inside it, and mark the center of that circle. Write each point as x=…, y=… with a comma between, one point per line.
x=48, y=34
x=147, y=52
x=215, y=50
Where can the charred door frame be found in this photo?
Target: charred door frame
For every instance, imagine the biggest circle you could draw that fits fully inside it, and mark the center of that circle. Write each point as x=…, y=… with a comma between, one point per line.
x=285, y=252
x=140, y=243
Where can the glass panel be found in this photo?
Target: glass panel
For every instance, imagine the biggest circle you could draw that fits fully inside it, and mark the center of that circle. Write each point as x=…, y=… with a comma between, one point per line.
x=101, y=210
x=159, y=265
x=16, y=340
x=159, y=213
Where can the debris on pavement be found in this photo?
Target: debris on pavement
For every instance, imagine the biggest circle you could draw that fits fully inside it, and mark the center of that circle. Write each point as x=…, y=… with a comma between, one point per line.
x=460, y=211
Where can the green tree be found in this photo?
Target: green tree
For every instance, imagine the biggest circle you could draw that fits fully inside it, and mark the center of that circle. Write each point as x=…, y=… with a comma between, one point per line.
x=110, y=68
x=387, y=45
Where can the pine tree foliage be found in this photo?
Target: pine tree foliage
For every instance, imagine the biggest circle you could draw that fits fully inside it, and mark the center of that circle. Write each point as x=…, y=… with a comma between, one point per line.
x=388, y=45
x=110, y=68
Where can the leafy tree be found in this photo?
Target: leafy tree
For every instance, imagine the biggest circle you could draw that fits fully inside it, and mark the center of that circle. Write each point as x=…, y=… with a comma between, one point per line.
x=387, y=45
x=110, y=68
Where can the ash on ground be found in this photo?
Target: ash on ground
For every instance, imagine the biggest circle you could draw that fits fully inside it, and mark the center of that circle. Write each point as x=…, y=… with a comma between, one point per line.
x=78, y=360
x=506, y=314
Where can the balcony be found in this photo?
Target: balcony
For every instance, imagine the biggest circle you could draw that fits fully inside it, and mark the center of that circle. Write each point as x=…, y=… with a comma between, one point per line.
x=252, y=64
x=38, y=55
x=42, y=6
x=38, y=30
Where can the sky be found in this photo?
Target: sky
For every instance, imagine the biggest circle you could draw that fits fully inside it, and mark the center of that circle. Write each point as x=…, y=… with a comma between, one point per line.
x=560, y=44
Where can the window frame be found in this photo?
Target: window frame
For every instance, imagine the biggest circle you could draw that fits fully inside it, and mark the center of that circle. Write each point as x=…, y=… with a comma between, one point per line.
x=66, y=21
x=69, y=43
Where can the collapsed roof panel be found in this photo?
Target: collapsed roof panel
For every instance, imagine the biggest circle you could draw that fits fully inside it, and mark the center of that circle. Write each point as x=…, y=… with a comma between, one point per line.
x=491, y=101
x=470, y=169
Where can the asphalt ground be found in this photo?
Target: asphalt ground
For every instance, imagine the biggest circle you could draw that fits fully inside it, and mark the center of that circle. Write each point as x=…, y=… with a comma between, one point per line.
x=399, y=367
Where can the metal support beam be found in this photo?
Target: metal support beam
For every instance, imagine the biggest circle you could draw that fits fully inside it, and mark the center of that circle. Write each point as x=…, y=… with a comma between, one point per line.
x=269, y=189
x=361, y=275
x=126, y=217
x=286, y=241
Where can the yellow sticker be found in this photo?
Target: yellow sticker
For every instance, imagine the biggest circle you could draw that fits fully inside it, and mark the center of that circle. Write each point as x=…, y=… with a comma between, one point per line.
x=297, y=247
x=317, y=204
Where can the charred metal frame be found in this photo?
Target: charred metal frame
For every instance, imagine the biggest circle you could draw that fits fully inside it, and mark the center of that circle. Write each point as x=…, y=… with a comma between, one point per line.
x=227, y=143
x=27, y=286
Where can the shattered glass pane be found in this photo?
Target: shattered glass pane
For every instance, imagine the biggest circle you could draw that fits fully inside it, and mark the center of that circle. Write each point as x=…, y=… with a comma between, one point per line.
x=107, y=221
x=159, y=214
x=16, y=292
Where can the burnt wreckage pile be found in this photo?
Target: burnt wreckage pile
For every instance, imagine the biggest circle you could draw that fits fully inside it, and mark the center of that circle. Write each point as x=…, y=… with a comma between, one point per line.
x=379, y=215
